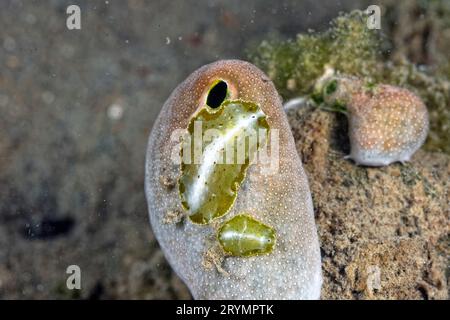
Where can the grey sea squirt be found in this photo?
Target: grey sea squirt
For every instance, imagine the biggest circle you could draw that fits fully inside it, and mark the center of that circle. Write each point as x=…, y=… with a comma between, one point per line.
x=252, y=217
x=386, y=123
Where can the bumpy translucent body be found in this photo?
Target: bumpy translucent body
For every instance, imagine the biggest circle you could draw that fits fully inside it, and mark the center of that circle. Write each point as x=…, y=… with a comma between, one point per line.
x=279, y=198
x=208, y=188
x=245, y=236
x=386, y=123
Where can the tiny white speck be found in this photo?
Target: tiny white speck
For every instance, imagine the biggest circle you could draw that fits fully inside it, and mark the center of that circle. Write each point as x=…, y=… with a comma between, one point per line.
x=115, y=111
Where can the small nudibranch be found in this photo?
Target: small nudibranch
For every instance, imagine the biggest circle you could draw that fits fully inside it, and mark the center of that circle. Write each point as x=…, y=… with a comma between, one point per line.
x=232, y=97
x=386, y=123
x=245, y=236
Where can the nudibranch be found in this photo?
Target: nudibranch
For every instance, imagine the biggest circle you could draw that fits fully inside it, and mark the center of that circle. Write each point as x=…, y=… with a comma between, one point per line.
x=222, y=165
x=245, y=236
x=208, y=187
x=386, y=123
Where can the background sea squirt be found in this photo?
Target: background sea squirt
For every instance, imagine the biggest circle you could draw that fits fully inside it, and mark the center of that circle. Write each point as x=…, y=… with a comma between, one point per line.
x=386, y=123
x=277, y=196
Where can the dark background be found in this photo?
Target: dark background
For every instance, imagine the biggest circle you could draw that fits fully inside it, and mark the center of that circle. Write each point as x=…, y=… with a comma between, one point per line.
x=76, y=108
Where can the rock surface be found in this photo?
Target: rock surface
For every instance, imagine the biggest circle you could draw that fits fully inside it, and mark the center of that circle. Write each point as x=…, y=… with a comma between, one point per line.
x=383, y=231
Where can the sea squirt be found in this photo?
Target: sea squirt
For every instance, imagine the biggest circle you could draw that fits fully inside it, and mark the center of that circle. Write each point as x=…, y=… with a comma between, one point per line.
x=258, y=214
x=386, y=123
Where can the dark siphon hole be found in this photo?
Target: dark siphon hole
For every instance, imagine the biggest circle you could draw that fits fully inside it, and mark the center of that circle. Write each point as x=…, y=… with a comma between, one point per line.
x=217, y=94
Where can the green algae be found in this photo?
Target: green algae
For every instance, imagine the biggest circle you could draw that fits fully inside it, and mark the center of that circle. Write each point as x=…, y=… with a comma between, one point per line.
x=351, y=49
x=295, y=65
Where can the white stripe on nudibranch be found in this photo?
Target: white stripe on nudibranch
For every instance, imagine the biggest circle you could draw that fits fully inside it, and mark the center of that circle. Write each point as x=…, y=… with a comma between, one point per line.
x=212, y=155
x=241, y=235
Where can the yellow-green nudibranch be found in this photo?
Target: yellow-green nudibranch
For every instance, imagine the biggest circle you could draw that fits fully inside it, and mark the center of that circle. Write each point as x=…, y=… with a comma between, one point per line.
x=245, y=236
x=243, y=193
x=386, y=123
